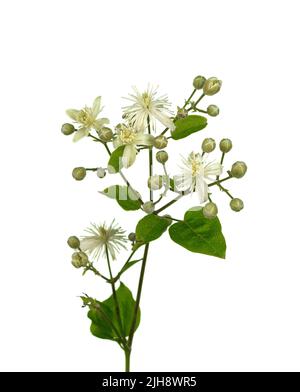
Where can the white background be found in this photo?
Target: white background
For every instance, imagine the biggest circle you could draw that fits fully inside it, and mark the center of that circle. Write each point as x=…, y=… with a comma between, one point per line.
x=198, y=313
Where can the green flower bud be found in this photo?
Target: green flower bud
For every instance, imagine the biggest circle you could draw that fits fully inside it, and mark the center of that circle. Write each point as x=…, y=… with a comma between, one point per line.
x=168, y=218
x=79, y=259
x=212, y=86
x=198, y=82
x=67, y=129
x=236, y=204
x=213, y=110
x=73, y=242
x=225, y=145
x=160, y=142
x=238, y=169
x=181, y=113
x=148, y=207
x=210, y=210
x=132, y=237
x=101, y=172
x=105, y=134
x=155, y=182
x=79, y=173
x=162, y=156
x=208, y=145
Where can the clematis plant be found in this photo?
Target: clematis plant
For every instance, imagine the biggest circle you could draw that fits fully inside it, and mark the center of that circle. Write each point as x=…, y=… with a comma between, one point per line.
x=199, y=230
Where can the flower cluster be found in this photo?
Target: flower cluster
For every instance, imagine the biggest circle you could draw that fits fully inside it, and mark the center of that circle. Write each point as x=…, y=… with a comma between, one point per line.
x=150, y=123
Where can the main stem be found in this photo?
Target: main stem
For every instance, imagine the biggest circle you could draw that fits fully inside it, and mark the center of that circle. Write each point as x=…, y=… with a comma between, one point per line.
x=150, y=160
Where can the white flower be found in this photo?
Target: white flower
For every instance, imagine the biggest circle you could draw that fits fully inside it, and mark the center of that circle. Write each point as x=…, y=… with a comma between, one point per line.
x=101, y=237
x=130, y=137
x=195, y=171
x=87, y=119
x=147, y=105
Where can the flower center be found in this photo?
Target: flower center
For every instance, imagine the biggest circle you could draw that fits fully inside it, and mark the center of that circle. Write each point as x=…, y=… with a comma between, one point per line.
x=146, y=100
x=127, y=135
x=85, y=117
x=195, y=164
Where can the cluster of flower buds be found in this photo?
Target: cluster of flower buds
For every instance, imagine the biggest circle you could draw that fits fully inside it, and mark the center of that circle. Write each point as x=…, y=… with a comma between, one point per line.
x=238, y=170
x=79, y=258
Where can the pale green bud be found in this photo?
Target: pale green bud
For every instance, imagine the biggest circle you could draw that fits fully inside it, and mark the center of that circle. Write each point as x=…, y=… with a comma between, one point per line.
x=148, y=207
x=73, y=242
x=236, y=204
x=162, y=156
x=225, y=145
x=101, y=172
x=210, y=210
x=155, y=182
x=168, y=218
x=79, y=173
x=132, y=237
x=213, y=110
x=67, y=129
x=160, y=142
x=198, y=82
x=238, y=169
x=208, y=145
x=105, y=134
x=212, y=86
x=79, y=259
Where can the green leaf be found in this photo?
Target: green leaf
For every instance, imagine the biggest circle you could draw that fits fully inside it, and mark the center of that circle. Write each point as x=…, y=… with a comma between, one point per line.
x=104, y=318
x=188, y=125
x=115, y=160
x=199, y=234
x=125, y=196
x=150, y=228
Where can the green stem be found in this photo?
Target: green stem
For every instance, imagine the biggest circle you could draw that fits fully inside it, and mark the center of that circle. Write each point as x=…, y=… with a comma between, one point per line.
x=188, y=100
x=127, y=360
x=114, y=293
x=168, y=204
x=196, y=103
x=150, y=160
x=138, y=297
x=219, y=181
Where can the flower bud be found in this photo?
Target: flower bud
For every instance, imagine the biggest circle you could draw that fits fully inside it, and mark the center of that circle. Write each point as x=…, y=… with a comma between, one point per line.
x=160, y=142
x=162, y=156
x=101, y=172
x=168, y=218
x=79, y=259
x=210, y=210
x=198, y=82
x=181, y=113
x=208, y=145
x=79, y=173
x=213, y=110
x=155, y=182
x=73, y=242
x=67, y=129
x=132, y=237
x=105, y=134
x=212, y=86
x=238, y=169
x=148, y=207
x=236, y=204
x=225, y=145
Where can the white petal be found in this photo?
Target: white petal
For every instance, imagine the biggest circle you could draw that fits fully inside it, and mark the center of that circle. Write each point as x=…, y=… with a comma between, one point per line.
x=82, y=132
x=165, y=120
x=212, y=169
x=144, y=139
x=96, y=106
x=201, y=189
x=98, y=124
x=129, y=155
x=72, y=113
x=117, y=142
